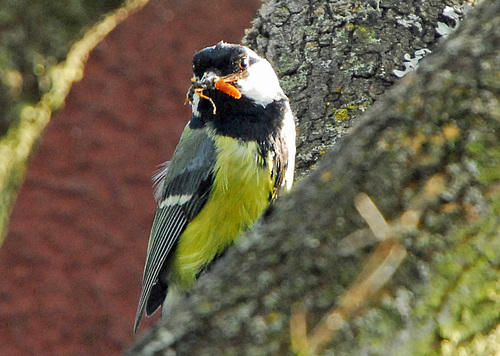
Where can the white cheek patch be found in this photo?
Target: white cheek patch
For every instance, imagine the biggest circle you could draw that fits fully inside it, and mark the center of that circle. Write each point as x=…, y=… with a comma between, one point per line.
x=290, y=134
x=261, y=85
x=175, y=200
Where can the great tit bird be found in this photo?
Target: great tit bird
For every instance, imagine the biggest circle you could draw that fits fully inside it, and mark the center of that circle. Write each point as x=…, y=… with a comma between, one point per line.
x=234, y=157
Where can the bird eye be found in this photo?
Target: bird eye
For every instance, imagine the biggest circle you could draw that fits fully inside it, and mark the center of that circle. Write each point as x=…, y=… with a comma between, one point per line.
x=243, y=63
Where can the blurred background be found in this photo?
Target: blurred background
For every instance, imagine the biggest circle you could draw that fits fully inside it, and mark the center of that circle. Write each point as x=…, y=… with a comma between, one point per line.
x=71, y=265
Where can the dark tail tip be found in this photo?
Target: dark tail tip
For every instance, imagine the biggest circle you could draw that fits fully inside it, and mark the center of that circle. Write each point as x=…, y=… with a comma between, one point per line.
x=156, y=298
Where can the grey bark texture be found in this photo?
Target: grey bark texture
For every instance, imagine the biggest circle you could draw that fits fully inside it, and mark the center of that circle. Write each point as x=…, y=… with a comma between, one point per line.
x=428, y=155
x=334, y=58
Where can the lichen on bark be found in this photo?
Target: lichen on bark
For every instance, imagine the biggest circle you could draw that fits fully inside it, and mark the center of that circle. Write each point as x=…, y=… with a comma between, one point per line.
x=335, y=58
x=427, y=153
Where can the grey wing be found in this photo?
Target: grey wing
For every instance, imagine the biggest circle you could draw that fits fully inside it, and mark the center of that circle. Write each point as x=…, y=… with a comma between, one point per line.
x=182, y=191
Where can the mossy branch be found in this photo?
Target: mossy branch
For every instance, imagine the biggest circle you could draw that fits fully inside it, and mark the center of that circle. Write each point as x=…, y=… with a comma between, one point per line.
x=20, y=139
x=427, y=154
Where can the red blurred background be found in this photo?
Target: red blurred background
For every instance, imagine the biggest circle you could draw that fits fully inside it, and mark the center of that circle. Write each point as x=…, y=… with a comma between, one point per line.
x=71, y=265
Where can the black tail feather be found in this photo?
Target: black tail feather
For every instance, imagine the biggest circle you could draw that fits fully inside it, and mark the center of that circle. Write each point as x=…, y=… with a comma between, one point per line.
x=156, y=297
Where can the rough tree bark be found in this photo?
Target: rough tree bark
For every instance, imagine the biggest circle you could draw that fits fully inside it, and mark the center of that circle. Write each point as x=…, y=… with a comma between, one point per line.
x=428, y=155
x=334, y=58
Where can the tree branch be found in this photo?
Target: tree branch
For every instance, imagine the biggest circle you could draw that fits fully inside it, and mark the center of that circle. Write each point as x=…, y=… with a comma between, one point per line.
x=428, y=155
x=22, y=118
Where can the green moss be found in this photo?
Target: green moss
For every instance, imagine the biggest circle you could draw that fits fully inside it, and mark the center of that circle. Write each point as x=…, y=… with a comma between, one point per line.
x=349, y=26
x=364, y=32
x=489, y=166
x=475, y=148
x=462, y=296
x=484, y=151
x=483, y=344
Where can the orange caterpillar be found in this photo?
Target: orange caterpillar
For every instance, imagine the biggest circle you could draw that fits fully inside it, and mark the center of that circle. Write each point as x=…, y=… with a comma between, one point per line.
x=228, y=88
x=223, y=84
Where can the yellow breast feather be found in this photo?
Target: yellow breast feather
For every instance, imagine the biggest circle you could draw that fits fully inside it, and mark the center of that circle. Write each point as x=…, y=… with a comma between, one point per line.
x=239, y=196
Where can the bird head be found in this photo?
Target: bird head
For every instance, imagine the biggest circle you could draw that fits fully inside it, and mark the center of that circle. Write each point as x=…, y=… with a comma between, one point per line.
x=227, y=73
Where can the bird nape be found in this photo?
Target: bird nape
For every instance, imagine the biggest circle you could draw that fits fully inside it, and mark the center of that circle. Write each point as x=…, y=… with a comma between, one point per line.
x=235, y=156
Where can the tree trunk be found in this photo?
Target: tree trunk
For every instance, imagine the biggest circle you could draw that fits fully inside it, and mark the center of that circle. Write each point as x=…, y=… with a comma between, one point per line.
x=312, y=278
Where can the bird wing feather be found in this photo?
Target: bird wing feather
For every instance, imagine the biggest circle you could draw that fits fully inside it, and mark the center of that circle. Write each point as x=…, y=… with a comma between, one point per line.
x=183, y=188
